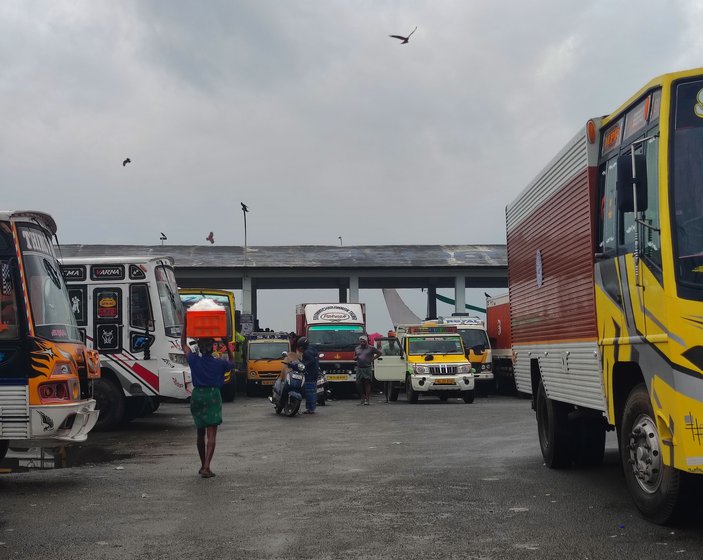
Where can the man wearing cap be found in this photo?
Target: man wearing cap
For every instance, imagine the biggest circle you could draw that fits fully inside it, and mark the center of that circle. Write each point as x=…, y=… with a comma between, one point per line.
x=364, y=356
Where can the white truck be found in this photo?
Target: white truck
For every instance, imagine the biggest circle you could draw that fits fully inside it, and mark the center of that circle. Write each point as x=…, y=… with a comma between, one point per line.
x=128, y=309
x=478, y=348
x=431, y=361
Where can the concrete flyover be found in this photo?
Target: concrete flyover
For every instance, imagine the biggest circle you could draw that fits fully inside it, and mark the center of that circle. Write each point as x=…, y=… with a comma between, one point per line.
x=346, y=269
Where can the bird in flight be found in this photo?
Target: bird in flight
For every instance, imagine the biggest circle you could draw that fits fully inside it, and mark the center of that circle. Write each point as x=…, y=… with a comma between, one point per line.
x=125, y=162
x=245, y=208
x=210, y=238
x=404, y=40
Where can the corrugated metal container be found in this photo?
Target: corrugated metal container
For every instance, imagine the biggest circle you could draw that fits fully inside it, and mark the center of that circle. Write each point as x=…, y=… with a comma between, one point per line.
x=550, y=252
x=498, y=325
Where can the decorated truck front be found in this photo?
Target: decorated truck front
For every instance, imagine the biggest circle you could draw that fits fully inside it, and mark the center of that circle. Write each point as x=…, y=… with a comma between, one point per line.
x=334, y=330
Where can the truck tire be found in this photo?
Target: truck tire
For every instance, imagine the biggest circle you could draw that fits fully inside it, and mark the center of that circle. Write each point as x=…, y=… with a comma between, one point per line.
x=134, y=407
x=228, y=392
x=410, y=395
x=468, y=396
x=4, y=446
x=662, y=493
x=444, y=398
x=393, y=392
x=110, y=401
x=553, y=430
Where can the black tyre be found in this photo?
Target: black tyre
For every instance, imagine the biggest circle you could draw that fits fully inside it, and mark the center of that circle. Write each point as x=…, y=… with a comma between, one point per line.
x=4, y=446
x=468, y=396
x=134, y=407
x=444, y=398
x=321, y=401
x=292, y=407
x=410, y=394
x=662, y=494
x=110, y=401
x=153, y=405
x=252, y=390
x=393, y=391
x=228, y=392
x=553, y=430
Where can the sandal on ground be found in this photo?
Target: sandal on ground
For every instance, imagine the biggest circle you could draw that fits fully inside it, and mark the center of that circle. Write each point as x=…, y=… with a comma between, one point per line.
x=309, y=412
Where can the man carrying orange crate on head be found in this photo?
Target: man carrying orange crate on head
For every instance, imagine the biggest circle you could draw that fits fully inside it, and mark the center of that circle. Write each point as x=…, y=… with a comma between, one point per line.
x=205, y=321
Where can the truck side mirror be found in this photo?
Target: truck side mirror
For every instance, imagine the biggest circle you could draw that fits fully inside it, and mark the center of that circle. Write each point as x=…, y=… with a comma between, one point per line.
x=630, y=172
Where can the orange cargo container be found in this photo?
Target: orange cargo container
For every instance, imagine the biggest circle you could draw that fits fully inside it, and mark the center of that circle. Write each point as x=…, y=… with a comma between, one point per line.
x=206, y=324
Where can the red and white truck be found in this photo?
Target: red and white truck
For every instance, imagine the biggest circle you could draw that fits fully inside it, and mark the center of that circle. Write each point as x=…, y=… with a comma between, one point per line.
x=334, y=330
x=498, y=328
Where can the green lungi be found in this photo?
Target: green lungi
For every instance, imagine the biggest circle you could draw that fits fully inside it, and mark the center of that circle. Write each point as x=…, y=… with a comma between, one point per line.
x=206, y=406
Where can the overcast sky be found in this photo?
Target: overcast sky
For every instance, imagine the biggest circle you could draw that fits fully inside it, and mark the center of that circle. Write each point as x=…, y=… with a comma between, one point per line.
x=308, y=112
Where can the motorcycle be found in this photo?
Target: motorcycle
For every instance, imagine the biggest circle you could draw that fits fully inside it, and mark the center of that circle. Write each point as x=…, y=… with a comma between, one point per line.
x=287, y=394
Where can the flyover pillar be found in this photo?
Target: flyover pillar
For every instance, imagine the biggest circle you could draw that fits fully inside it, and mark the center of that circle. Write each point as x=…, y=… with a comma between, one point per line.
x=460, y=294
x=353, y=289
x=431, y=302
x=247, y=303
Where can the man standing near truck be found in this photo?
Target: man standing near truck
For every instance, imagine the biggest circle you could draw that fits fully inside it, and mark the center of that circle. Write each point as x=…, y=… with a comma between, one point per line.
x=311, y=361
x=364, y=356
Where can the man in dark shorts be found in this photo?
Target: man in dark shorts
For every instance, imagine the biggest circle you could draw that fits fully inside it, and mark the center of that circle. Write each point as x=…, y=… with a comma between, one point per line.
x=208, y=376
x=364, y=356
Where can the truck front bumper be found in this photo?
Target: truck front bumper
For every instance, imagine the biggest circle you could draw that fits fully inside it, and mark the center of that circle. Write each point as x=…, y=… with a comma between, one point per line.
x=442, y=383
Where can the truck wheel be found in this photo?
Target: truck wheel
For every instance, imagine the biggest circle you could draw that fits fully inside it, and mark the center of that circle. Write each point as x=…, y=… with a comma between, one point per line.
x=4, y=446
x=553, y=430
x=134, y=407
x=110, y=401
x=444, y=398
x=468, y=396
x=228, y=392
x=393, y=391
x=589, y=442
x=662, y=493
x=252, y=390
x=410, y=394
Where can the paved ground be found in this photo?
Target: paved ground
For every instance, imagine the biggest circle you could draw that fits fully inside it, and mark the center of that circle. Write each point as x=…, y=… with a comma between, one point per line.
x=432, y=480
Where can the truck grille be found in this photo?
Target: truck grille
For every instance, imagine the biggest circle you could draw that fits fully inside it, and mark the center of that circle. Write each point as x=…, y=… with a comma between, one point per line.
x=443, y=370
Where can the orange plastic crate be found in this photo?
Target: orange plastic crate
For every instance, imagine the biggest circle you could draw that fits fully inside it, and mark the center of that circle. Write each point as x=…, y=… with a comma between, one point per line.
x=206, y=324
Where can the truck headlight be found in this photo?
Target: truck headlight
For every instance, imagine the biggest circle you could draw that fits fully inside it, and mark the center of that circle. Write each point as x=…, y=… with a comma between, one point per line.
x=178, y=358
x=463, y=369
x=421, y=369
x=253, y=375
x=488, y=366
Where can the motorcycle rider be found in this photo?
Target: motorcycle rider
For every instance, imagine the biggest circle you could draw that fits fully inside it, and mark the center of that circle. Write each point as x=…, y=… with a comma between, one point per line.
x=311, y=361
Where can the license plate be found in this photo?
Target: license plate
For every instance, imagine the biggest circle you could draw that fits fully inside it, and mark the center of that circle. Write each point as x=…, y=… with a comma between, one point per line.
x=444, y=382
x=337, y=378
x=268, y=382
x=297, y=376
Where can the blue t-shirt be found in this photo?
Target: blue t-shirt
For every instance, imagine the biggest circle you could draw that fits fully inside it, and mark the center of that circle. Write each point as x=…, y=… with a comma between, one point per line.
x=208, y=371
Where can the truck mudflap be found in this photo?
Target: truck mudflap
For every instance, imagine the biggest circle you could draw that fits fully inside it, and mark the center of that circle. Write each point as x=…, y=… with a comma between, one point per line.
x=442, y=383
x=63, y=422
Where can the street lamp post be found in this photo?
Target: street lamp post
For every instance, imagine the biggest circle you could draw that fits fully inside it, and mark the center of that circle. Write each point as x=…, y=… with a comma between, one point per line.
x=245, y=209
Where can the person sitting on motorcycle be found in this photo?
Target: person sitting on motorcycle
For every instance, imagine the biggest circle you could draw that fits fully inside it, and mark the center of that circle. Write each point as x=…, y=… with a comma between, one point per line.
x=311, y=361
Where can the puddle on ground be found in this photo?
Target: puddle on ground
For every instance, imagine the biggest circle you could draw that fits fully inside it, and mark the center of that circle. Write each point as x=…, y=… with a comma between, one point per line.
x=22, y=460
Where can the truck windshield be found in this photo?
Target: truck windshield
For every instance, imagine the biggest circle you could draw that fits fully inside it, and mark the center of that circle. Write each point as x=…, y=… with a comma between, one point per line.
x=687, y=177
x=420, y=345
x=48, y=298
x=335, y=337
x=171, y=306
x=267, y=350
x=189, y=299
x=473, y=337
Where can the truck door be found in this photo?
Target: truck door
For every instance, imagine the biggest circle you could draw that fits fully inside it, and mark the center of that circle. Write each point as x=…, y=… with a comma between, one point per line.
x=390, y=366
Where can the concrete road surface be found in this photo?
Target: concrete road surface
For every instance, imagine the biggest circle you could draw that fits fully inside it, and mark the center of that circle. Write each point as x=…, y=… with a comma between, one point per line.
x=431, y=480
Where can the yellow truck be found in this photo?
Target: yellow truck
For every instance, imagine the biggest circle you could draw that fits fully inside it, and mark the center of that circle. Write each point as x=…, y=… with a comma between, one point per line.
x=432, y=361
x=189, y=296
x=264, y=358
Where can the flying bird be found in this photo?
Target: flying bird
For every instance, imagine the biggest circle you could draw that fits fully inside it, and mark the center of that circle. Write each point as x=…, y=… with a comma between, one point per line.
x=210, y=238
x=245, y=208
x=404, y=40
x=125, y=162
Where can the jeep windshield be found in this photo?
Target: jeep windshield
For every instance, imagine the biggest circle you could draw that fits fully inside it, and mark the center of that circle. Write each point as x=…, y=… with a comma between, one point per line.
x=421, y=345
